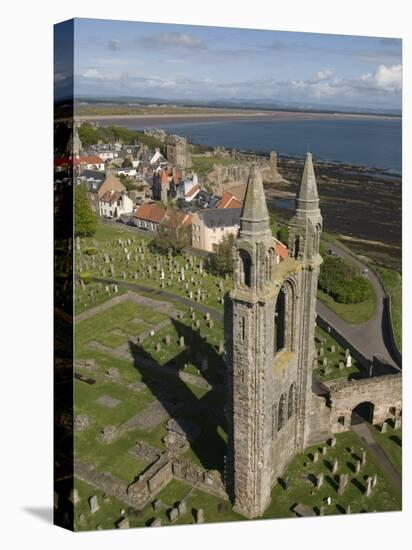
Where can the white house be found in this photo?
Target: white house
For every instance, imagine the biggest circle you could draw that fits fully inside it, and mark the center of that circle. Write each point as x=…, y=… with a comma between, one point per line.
x=113, y=204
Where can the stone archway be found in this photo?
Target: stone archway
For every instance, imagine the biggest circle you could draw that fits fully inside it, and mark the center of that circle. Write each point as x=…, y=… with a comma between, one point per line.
x=363, y=413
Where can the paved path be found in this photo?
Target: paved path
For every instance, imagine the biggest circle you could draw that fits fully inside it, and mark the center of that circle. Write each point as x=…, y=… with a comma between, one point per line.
x=371, y=338
x=363, y=432
x=136, y=287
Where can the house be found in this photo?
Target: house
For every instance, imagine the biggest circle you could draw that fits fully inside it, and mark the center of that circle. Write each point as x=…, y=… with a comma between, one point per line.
x=113, y=204
x=185, y=186
x=229, y=200
x=158, y=161
x=92, y=180
x=148, y=216
x=210, y=226
x=110, y=183
x=91, y=162
x=176, y=219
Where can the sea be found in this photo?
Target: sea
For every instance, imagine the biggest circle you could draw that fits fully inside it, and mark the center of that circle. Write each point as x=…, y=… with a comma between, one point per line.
x=369, y=142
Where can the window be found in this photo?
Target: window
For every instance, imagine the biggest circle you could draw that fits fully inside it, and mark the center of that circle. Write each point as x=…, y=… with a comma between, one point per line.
x=282, y=412
x=279, y=324
x=245, y=268
x=292, y=400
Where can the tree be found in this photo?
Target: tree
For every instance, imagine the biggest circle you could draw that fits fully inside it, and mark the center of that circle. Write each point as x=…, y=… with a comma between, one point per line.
x=342, y=281
x=127, y=163
x=283, y=235
x=171, y=233
x=222, y=261
x=85, y=219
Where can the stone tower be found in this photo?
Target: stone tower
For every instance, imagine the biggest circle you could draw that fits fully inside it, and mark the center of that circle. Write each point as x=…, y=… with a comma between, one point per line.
x=269, y=332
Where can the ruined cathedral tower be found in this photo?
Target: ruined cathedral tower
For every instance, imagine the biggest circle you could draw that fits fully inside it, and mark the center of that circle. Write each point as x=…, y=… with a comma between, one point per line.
x=269, y=332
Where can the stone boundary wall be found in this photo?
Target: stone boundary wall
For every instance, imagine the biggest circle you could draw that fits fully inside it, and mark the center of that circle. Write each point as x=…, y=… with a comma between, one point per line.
x=208, y=481
x=384, y=392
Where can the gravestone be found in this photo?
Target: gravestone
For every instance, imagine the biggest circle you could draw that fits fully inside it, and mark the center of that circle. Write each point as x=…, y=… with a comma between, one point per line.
x=324, y=451
x=182, y=508
x=173, y=514
x=123, y=523
x=335, y=466
x=343, y=481
x=348, y=361
x=397, y=423
x=332, y=442
x=384, y=427
x=74, y=496
x=315, y=457
x=333, y=348
x=167, y=339
x=368, y=490
x=358, y=466
x=93, y=504
x=363, y=458
x=319, y=481
x=156, y=523
x=221, y=346
x=374, y=480
x=200, y=517
x=341, y=365
x=182, y=341
x=348, y=509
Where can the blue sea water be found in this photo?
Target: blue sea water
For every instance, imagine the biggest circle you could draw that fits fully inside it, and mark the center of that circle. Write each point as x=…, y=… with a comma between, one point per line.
x=372, y=142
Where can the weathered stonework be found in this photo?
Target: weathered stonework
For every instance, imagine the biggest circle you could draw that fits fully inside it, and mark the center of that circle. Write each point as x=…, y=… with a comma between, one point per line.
x=272, y=412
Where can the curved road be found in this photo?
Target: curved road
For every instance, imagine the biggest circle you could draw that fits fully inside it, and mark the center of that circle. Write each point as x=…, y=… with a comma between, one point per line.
x=371, y=337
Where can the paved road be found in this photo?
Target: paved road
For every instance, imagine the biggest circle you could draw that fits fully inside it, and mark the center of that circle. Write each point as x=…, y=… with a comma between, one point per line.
x=371, y=338
x=363, y=431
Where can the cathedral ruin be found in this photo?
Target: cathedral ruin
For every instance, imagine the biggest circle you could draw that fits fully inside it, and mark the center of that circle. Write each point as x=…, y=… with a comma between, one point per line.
x=272, y=411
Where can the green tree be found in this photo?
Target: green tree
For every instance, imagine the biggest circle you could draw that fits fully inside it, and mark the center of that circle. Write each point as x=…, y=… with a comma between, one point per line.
x=171, y=234
x=85, y=219
x=222, y=261
x=283, y=234
x=127, y=163
x=342, y=281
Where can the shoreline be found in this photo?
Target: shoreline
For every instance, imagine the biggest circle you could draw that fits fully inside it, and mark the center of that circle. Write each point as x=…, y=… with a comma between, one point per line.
x=258, y=115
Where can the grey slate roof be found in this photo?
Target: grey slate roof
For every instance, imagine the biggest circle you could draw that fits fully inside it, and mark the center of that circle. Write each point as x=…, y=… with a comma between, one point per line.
x=220, y=217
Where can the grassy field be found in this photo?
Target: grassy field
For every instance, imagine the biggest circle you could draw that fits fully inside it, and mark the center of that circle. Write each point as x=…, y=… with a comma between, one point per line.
x=392, y=281
x=203, y=165
x=352, y=313
x=391, y=443
x=301, y=490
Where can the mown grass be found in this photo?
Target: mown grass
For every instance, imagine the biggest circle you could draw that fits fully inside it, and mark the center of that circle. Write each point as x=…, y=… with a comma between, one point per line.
x=392, y=281
x=351, y=313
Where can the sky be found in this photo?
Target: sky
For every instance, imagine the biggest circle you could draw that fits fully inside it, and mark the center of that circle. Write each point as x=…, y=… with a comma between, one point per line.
x=181, y=62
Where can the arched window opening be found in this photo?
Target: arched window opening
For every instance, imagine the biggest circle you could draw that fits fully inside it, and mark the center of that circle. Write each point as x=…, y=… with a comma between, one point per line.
x=282, y=411
x=246, y=268
x=280, y=318
x=292, y=400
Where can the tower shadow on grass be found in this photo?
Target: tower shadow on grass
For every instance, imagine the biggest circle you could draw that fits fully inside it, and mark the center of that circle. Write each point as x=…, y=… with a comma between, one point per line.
x=168, y=388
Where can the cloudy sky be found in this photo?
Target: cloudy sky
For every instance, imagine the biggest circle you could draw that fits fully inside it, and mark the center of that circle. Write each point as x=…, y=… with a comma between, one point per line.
x=117, y=58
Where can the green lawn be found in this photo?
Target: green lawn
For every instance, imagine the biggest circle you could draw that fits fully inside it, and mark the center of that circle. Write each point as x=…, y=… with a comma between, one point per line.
x=383, y=497
x=203, y=165
x=352, y=313
x=391, y=443
x=392, y=281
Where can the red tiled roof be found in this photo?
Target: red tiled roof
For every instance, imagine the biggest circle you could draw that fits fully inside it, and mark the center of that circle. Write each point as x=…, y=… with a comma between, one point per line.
x=281, y=250
x=110, y=196
x=177, y=218
x=81, y=160
x=229, y=201
x=193, y=191
x=150, y=212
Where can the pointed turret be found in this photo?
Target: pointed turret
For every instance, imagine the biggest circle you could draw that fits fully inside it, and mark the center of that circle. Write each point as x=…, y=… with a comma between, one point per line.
x=255, y=216
x=306, y=224
x=307, y=197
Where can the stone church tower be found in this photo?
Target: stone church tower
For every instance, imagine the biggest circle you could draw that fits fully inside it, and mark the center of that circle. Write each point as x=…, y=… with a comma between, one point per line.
x=269, y=331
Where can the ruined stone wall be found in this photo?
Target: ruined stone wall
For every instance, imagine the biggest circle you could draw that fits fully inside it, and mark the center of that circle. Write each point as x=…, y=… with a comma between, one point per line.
x=384, y=392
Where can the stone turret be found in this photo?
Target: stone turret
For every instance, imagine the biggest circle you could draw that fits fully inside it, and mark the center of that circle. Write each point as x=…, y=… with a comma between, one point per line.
x=305, y=226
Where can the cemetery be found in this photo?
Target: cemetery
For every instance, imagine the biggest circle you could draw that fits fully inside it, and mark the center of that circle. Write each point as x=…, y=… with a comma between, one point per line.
x=150, y=433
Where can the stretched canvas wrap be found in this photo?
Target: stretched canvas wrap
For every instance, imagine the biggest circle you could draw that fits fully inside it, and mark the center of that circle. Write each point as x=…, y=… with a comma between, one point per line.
x=227, y=274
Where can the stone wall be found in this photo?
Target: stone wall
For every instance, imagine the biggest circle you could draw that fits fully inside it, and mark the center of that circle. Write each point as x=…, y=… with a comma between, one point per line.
x=384, y=392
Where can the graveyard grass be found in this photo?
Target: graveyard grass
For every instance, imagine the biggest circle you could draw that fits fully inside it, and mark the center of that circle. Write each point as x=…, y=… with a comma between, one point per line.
x=392, y=281
x=112, y=330
x=391, y=443
x=334, y=358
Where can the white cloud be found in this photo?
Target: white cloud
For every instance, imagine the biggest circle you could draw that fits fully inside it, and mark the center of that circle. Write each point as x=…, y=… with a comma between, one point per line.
x=384, y=79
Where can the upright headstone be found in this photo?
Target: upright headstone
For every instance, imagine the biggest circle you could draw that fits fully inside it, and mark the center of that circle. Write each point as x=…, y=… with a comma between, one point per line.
x=74, y=496
x=335, y=466
x=200, y=517
x=343, y=481
x=93, y=504
x=319, y=481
